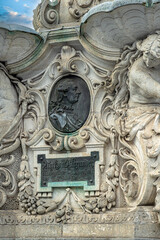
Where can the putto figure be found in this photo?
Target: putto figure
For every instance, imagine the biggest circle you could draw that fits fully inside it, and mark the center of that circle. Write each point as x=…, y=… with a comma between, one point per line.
x=144, y=81
x=136, y=76
x=135, y=94
x=62, y=112
x=8, y=102
x=13, y=106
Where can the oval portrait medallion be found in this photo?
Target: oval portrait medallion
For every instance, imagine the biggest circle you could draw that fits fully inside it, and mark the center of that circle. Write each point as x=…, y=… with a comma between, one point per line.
x=69, y=104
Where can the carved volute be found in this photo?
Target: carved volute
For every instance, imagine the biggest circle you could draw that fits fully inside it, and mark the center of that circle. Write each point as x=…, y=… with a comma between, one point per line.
x=80, y=119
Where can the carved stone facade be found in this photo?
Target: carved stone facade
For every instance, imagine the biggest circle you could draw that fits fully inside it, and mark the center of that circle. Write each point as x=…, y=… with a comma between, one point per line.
x=79, y=122
x=50, y=14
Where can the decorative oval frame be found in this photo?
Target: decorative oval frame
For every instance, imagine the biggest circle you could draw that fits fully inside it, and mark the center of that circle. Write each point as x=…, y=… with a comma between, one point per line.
x=66, y=111
x=82, y=82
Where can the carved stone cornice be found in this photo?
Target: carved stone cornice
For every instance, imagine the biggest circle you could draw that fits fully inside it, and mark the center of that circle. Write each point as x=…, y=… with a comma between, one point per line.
x=114, y=28
x=59, y=36
x=49, y=14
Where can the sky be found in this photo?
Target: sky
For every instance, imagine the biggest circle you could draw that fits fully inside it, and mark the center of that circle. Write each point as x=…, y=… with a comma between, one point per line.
x=18, y=11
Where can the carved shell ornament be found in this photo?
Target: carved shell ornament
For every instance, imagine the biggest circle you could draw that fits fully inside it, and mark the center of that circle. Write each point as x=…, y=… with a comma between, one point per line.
x=128, y=31
x=126, y=130
x=118, y=24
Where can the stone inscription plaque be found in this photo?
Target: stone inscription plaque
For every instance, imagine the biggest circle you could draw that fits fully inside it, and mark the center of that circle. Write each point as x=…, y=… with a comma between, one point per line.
x=75, y=169
x=69, y=104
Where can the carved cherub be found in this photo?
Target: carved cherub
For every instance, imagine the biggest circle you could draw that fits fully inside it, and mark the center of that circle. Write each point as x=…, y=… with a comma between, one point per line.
x=136, y=78
x=135, y=90
x=8, y=102
x=13, y=106
x=135, y=83
x=144, y=74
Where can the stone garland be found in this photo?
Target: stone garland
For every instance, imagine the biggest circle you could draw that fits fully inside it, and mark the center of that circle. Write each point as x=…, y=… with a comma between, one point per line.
x=128, y=130
x=31, y=204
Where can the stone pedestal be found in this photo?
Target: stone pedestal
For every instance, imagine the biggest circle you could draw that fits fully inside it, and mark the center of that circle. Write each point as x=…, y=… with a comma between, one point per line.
x=121, y=223
x=80, y=122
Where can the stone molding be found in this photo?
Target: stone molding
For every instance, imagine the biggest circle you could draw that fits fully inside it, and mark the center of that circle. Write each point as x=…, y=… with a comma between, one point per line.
x=142, y=223
x=117, y=216
x=120, y=128
x=49, y=14
x=113, y=29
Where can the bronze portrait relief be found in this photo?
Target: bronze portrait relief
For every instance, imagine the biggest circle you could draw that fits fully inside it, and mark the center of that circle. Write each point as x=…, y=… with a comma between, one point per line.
x=69, y=104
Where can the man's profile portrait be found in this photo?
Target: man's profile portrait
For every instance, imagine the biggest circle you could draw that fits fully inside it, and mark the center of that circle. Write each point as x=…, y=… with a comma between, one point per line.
x=65, y=106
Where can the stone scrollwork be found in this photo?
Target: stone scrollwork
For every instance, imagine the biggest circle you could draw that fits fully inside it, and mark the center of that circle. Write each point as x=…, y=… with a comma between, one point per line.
x=12, y=109
x=13, y=106
x=130, y=179
x=18, y=103
x=46, y=14
x=73, y=64
x=72, y=61
x=133, y=101
x=89, y=138
x=122, y=114
x=36, y=112
x=77, y=8
x=50, y=13
x=8, y=186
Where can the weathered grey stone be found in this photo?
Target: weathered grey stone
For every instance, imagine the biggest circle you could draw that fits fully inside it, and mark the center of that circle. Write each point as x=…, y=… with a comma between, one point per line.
x=75, y=111
x=118, y=224
x=99, y=230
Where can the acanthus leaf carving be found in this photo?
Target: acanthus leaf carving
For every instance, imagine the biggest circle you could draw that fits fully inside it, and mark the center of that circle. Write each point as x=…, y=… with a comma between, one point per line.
x=8, y=186
x=69, y=61
x=32, y=107
x=35, y=112
x=135, y=110
x=11, y=121
x=12, y=95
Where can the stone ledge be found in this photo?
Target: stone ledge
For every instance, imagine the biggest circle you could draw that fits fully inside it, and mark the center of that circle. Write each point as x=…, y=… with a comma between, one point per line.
x=120, y=224
x=80, y=238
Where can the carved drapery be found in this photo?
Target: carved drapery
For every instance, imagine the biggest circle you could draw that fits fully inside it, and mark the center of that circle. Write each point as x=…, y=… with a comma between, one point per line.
x=12, y=110
x=133, y=101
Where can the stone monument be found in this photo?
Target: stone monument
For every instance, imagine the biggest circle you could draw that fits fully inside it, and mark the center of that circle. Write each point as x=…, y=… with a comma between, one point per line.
x=79, y=122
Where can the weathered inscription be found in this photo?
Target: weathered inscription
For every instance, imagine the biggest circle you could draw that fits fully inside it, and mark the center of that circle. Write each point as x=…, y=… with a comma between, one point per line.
x=76, y=169
x=19, y=218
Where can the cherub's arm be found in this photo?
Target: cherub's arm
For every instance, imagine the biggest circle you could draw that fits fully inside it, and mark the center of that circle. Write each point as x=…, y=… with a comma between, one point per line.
x=140, y=77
